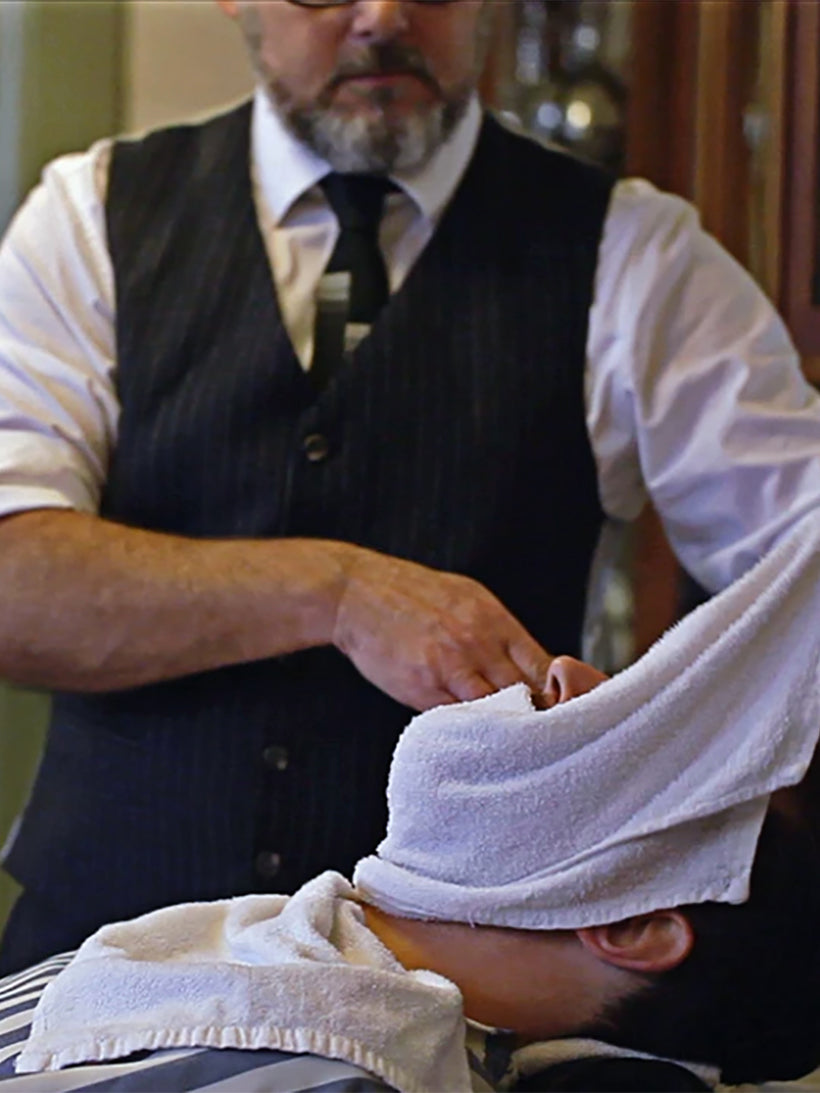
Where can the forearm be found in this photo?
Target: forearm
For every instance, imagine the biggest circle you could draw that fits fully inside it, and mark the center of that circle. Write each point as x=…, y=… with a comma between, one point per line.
x=89, y=605
x=92, y=605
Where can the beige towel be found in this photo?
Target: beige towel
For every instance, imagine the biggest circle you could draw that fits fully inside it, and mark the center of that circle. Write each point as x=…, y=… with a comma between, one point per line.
x=302, y=974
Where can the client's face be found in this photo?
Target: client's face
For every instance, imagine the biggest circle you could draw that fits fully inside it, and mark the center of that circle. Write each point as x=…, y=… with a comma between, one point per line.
x=569, y=678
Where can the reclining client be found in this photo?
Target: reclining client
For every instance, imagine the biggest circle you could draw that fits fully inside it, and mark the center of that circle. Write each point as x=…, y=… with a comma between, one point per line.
x=633, y=873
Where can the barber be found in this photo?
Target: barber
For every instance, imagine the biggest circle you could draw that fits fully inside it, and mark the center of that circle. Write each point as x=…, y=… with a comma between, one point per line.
x=312, y=413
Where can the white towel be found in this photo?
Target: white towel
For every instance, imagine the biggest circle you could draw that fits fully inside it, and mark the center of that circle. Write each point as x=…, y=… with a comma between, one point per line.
x=301, y=975
x=649, y=792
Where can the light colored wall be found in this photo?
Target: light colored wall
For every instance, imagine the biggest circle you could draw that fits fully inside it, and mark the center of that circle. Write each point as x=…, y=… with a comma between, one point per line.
x=182, y=58
x=69, y=73
x=22, y=728
x=71, y=78
x=60, y=82
x=12, y=29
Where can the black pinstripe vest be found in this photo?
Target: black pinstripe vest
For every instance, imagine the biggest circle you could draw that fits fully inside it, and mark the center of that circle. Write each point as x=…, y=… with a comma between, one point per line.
x=456, y=438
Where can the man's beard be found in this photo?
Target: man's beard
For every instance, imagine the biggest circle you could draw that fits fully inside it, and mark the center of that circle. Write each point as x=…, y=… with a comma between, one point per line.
x=377, y=143
x=376, y=140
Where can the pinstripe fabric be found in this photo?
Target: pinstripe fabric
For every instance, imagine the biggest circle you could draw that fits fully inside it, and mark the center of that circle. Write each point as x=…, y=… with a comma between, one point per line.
x=456, y=438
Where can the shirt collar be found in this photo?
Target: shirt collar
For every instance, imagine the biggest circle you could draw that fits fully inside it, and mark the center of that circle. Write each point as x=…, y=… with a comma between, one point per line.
x=285, y=168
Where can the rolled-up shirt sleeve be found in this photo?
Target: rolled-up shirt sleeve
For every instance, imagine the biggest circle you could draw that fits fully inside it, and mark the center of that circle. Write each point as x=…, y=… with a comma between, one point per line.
x=694, y=392
x=58, y=406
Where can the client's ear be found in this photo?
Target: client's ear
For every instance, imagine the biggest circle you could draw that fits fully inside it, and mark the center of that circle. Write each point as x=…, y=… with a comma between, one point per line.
x=655, y=942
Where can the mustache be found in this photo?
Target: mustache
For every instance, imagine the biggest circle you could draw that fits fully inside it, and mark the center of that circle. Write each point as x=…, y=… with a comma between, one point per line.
x=386, y=59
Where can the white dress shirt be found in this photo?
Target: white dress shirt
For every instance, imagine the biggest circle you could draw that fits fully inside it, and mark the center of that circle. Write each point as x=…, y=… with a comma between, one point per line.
x=693, y=390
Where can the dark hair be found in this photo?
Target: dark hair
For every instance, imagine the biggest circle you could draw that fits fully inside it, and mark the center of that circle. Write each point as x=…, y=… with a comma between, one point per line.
x=747, y=998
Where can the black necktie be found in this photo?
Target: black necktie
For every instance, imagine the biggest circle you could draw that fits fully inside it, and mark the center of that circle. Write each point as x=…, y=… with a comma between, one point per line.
x=358, y=202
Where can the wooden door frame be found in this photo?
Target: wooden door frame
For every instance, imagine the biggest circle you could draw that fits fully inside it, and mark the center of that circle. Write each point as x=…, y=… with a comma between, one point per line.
x=727, y=66
x=801, y=182
x=661, y=116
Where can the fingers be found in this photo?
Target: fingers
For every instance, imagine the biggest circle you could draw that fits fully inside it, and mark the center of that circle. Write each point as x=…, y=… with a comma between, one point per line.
x=564, y=678
x=427, y=638
x=497, y=654
x=470, y=685
x=530, y=662
x=502, y=671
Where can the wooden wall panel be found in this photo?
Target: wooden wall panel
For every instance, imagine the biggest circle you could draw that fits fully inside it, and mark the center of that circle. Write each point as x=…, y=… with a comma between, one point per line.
x=727, y=64
x=662, y=80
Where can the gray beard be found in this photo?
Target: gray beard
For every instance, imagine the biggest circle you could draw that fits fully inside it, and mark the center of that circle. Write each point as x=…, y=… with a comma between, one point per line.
x=371, y=145
x=377, y=143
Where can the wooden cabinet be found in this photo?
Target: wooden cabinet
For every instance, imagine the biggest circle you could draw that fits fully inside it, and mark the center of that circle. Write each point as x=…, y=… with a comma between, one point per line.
x=757, y=167
x=723, y=108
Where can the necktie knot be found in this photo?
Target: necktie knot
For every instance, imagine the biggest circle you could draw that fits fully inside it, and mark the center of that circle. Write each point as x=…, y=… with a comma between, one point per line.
x=357, y=200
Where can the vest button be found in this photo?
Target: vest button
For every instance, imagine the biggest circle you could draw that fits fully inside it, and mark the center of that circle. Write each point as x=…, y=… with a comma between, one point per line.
x=316, y=447
x=275, y=757
x=268, y=863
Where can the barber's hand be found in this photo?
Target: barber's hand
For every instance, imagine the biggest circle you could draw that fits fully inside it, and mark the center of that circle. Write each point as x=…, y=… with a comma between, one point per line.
x=426, y=637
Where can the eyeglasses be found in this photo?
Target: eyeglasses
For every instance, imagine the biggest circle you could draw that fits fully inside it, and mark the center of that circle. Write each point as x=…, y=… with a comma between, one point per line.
x=347, y=3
